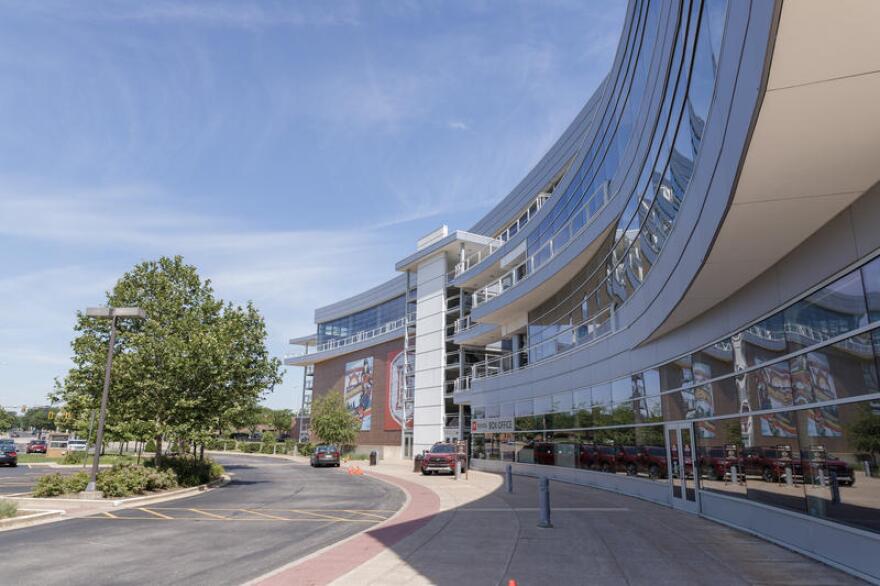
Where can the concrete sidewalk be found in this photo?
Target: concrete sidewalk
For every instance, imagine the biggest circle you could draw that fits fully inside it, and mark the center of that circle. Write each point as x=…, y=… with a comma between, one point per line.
x=483, y=535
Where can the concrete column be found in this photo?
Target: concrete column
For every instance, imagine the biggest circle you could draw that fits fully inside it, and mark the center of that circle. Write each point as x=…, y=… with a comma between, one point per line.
x=428, y=409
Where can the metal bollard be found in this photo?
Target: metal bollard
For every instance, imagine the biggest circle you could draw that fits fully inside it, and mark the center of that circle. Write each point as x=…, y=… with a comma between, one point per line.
x=458, y=469
x=544, y=503
x=509, y=478
x=835, y=489
x=789, y=478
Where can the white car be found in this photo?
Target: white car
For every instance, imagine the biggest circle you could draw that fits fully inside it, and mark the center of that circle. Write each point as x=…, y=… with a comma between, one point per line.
x=77, y=445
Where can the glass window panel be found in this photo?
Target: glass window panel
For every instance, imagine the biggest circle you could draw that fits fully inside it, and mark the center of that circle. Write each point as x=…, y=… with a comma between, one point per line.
x=845, y=369
x=760, y=343
x=524, y=408
x=839, y=463
x=601, y=398
x=871, y=280
x=583, y=399
x=562, y=403
x=833, y=310
x=621, y=390
x=507, y=410
x=714, y=360
x=651, y=380
x=676, y=374
x=493, y=410
x=543, y=404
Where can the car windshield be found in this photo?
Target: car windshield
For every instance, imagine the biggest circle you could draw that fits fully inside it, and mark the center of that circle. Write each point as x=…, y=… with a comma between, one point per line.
x=443, y=449
x=326, y=449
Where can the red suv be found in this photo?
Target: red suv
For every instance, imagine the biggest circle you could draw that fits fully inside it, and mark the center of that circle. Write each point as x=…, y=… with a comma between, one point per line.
x=441, y=458
x=770, y=463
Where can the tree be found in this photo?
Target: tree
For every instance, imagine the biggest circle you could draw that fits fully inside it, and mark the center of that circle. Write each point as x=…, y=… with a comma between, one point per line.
x=282, y=420
x=332, y=422
x=40, y=418
x=7, y=420
x=865, y=431
x=194, y=362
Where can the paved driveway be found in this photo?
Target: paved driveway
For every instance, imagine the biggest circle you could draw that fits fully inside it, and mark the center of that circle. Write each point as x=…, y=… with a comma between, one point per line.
x=273, y=512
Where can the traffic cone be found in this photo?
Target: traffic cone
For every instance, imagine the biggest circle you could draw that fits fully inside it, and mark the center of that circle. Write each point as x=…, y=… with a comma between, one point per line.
x=511, y=582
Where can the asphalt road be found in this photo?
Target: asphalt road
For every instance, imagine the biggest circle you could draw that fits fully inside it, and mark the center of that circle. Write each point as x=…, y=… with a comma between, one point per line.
x=273, y=512
x=21, y=479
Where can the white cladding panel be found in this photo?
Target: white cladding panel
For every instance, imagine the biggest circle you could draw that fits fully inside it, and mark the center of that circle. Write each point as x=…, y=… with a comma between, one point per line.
x=430, y=355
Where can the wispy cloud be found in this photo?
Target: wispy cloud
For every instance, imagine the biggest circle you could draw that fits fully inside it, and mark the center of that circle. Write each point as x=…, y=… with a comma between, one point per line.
x=457, y=125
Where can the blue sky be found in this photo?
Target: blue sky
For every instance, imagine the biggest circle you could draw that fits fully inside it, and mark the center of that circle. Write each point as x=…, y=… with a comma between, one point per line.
x=292, y=151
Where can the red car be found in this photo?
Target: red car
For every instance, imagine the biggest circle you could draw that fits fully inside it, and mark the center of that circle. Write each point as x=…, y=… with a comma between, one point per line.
x=441, y=458
x=37, y=447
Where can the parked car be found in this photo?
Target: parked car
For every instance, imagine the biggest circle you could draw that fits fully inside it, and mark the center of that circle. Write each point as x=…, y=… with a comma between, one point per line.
x=77, y=445
x=441, y=458
x=769, y=464
x=654, y=461
x=325, y=455
x=716, y=463
x=8, y=453
x=37, y=447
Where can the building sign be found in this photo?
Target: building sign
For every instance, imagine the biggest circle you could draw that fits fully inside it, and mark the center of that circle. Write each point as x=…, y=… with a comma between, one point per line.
x=358, y=390
x=394, y=394
x=492, y=425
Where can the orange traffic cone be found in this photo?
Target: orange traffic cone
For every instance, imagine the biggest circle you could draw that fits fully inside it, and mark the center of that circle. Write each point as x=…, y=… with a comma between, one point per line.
x=511, y=582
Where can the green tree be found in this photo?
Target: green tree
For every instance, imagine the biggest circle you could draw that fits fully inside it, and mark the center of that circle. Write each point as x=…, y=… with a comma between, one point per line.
x=179, y=373
x=282, y=421
x=7, y=420
x=40, y=418
x=332, y=422
x=865, y=432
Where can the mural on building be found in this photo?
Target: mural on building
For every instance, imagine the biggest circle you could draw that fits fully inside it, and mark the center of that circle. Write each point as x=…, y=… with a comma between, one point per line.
x=394, y=393
x=358, y=390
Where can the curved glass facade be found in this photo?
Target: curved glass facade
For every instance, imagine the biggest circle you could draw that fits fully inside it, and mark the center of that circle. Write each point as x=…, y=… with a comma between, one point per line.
x=786, y=411
x=362, y=321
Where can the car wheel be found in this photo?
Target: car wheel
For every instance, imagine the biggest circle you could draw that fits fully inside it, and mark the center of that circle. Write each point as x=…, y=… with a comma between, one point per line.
x=14, y=464
x=767, y=475
x=426, y=473
x=606, y=468
x=654, y=472
x=631, y=470
x=712, y=473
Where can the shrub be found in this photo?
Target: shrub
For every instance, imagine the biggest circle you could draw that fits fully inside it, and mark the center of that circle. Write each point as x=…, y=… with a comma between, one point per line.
x=250, y=447
x=57, y=484
x=122, y=480
x=150, y=447
x=74, y=458
x=305, y=448
x=8, y=509
x=189, y=471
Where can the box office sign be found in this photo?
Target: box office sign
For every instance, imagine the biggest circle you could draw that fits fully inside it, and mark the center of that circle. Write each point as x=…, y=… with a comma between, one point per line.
x=492, y=425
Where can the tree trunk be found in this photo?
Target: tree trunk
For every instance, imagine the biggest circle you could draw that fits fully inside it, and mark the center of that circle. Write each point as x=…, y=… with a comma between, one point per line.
x=139, y=446
x=158, y=441
x=202, y=453
x=120, y=448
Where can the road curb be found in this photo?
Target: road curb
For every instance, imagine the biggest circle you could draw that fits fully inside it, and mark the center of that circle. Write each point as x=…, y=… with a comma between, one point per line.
x=340, y=558
x=35, y=517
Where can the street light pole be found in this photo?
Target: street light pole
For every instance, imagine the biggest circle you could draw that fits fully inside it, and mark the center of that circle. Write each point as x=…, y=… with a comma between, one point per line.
x=112, y=313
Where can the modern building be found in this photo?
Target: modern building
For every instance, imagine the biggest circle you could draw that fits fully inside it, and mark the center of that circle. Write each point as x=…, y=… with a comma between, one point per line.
x=680, y=302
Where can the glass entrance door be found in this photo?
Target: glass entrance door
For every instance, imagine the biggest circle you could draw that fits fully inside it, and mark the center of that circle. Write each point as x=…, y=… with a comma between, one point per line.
x=683, y=476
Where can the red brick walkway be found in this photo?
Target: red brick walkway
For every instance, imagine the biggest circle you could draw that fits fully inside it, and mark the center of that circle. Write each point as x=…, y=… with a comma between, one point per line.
x=337, y=560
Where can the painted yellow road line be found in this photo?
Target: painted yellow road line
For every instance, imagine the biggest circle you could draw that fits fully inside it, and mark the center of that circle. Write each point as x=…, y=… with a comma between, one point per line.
x=160, y=515
x=207, y=514
x=266, y=515
x=364, y=513
x=110, y=515
x=328, y=517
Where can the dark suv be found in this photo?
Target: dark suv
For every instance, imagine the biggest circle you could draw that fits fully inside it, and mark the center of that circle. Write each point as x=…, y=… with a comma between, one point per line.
x=441, y=458
x=8, y=453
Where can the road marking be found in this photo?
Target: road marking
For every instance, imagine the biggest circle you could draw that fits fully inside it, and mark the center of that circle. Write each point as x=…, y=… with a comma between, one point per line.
x=275, y=517
x=364, y=513
x=329, y=517
x=110, y=515
x=207, y=514
x=160, y=515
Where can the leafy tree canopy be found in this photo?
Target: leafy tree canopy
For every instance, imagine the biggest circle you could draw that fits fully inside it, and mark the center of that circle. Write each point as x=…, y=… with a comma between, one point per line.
x=332, y=422
x=193, y=367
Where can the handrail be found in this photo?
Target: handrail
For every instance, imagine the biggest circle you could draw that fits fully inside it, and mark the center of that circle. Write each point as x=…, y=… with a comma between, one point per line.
x=477, y=257
x=361, y=336
x=588, y=331
x=576, y=224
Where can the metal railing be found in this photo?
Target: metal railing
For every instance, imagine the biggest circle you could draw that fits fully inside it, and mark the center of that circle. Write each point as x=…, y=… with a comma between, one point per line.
x=477, y=257
x=462, y=324
x=362, y=336
x=577, y=223
x=586, y=332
